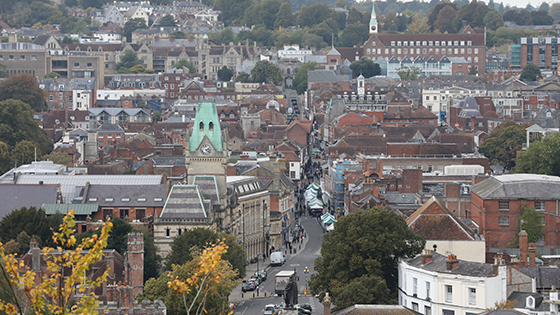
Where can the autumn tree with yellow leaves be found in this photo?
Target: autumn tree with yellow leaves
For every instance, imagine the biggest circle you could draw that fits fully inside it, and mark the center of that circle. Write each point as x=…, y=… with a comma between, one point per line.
x=198, y=286
x=55, y=291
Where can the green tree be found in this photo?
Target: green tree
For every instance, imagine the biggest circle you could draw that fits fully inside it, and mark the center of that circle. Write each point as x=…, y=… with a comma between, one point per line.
x=265, y=72
x=409, y=73
x=181, y=248
x=555, y=11
x=355, y=34
x=473, y=13
x=300, y=79
x=354, y=16
x=358, y=263
x=285, y=17
x=6, y=162
x=541, y=157
x=212, y=296
x=313, y=14
x=232, y=11
x=531, y=72
x=119, y=235
x=132, y=25
x=541, y=18
x=419, y=24
x=224, y=37
x=59, y=158
x=263, y=12
x=180, y=35
x=493, y=20
x=365, y=67
x=17, y=124
x=167, y=20
x=225, y=74
x=140, y=69
x=24, y=152
x=32, y=221
x=503, y=143
x=434, y=12
x=157, y=115
x=3, y=72
x=23, y=87
x=444, y=21
x=184, y=64
x=128, y=60
x=243, y=77
x=75, y=25
x=530, y=221
x=52, y=75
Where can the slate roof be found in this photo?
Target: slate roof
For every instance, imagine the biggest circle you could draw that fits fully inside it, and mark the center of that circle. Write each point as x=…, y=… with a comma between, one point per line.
x=466, y=268
x=184, y=202
x=14, y=197
x=368, y=309
x=72, y=185
x=80, y=209
x=127, y=196
x=326, y=76
x=208, y=187
x=115, y=111
x=435, y=222
x=545, y=276
x=502, y=312
x=521, y=298
x=519, y=186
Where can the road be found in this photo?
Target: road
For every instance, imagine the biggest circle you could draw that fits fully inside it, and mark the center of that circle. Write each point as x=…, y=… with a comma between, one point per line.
x=299, y=260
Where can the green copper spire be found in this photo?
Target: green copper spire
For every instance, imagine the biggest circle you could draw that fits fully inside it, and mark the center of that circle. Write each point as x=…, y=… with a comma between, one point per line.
x=373, y=21
x=206, y=123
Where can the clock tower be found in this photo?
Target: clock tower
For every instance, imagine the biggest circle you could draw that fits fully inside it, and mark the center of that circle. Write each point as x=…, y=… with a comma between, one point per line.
x=206, y=148
x=373, y=20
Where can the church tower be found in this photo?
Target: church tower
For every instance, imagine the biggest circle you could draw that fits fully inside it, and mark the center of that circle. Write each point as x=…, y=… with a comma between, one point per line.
x=373, y=21
x=206, y=148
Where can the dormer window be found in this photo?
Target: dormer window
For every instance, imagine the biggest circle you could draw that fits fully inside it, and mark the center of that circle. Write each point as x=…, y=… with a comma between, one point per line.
x=211, y=126
x=530, y=302
x=201, y=126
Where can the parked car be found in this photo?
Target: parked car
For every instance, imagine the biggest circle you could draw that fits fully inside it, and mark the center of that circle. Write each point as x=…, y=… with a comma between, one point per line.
x=303, y=311
x=305, y=306
x=248, y=285
x=271, y=309
x=256, y=279
x=261, y=274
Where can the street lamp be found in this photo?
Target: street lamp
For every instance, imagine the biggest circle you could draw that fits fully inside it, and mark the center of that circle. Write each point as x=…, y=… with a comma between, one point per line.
x=305, y=271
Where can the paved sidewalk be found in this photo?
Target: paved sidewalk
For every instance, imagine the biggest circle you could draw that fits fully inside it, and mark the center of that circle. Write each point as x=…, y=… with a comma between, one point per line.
x=237, y=295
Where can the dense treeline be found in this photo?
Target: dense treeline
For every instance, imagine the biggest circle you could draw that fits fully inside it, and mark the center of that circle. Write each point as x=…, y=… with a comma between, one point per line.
x=317, y=23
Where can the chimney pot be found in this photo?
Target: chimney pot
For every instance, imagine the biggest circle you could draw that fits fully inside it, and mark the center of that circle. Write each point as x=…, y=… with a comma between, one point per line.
x=452, y=262
x=426, y=256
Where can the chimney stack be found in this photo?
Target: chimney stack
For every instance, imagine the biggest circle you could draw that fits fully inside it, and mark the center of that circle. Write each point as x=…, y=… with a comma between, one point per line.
x=35, y=255
x=452, y=262
x=523, y=249
x=327, y=304
x=532, y=252
x=514, y=262
x=498, y=262
x=426, y=256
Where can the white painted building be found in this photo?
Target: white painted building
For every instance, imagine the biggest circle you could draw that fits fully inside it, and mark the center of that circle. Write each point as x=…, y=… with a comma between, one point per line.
x=434, y=284
x=294, y=52
x=437, y=100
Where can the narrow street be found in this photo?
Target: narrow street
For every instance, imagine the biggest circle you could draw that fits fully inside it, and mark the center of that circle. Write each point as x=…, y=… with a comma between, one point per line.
x=304, y=257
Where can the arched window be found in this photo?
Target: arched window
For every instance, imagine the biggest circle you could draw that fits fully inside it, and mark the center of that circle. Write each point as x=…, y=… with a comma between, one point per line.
x=167, y=232
x=201, y=127
x=211, y=126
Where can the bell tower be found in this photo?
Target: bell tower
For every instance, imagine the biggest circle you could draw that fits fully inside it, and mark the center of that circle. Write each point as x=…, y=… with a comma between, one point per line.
x=206, y=147
x=373, y=21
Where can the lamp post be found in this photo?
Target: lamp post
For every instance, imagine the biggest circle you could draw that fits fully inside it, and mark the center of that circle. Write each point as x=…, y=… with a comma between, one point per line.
x=305, y=271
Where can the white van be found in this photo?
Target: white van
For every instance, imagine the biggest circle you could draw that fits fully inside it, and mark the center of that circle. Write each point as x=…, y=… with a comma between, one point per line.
x=277, y=259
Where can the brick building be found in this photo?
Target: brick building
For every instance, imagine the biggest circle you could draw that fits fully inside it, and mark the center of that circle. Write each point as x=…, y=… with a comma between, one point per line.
x=428, y=50
x=497, y=201
x=540, y=51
